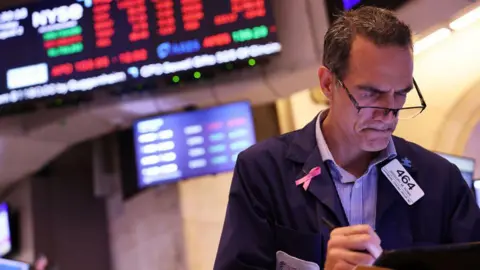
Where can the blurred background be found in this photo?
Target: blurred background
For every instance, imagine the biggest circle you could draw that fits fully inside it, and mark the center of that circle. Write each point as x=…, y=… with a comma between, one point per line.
x=120, y=121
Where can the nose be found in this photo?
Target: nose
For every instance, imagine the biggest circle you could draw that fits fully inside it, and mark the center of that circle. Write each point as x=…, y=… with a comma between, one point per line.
x=389, y=115
x=384, y=115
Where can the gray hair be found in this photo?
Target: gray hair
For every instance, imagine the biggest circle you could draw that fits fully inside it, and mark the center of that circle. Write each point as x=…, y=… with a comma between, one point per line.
x=380, y=26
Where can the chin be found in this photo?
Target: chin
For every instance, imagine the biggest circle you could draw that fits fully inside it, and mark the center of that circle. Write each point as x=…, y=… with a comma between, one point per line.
x=375, y=144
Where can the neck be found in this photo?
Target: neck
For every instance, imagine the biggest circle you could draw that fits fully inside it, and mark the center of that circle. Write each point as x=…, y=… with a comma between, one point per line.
x=346, y=153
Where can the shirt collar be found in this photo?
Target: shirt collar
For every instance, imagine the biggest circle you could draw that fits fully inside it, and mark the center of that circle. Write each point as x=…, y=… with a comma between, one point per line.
x=387, y=153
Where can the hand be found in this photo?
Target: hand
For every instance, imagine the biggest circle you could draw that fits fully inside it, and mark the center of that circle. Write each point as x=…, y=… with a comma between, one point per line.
x=352, y=246
x=41, y=263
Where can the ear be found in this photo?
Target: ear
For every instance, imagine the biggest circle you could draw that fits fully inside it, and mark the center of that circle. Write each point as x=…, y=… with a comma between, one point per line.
x=327, y=81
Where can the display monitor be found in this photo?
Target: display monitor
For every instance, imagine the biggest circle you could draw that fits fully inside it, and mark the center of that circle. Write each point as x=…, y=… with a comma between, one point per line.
x=193, y=143
x=58, y=47
x=464, y=164
x=5, y=230
x=6, y=264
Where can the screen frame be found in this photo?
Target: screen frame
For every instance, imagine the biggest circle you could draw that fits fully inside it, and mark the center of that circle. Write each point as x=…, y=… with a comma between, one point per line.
x=128, y=158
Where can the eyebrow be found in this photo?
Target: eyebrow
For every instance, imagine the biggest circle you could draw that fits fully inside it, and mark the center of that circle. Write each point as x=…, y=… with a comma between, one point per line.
x=371, y=88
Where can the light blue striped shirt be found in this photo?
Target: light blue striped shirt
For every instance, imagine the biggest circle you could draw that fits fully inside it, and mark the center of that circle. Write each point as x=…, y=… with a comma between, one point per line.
x=358, y=196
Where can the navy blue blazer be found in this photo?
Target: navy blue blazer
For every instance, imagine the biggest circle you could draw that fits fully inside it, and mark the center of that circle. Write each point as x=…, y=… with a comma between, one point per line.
x=267, y=212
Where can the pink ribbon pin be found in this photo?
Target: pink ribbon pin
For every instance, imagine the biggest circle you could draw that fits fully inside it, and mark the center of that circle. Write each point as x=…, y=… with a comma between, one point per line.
x=308, y=178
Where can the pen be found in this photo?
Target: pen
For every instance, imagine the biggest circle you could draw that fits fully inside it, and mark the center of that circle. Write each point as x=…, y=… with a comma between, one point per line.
x=372, y=250
x=329, y=224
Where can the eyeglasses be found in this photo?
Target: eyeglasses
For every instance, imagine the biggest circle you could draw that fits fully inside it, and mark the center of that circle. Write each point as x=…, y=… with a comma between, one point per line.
x=401, y=113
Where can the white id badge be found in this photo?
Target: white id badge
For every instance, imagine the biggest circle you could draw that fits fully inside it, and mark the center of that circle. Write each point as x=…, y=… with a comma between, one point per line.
x=403, y=182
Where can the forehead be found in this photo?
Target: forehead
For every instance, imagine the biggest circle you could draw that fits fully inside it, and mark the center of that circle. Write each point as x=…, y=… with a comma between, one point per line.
x=387, y=66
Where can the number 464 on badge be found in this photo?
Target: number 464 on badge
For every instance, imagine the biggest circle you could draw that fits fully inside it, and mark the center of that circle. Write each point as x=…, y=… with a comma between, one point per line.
x=403, y=182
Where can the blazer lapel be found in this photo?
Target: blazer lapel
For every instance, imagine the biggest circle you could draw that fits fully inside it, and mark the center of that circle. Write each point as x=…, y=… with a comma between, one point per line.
x=323, y=187
x=304, y=150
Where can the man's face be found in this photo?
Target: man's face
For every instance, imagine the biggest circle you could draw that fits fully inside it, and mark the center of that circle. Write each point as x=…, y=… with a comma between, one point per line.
x=377, y=76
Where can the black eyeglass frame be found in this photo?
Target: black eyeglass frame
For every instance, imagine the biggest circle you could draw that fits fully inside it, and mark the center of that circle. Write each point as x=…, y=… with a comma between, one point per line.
x=395, y=112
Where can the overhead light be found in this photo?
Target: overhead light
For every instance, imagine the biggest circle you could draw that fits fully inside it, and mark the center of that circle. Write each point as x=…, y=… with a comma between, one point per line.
x=431, y=39
x=466, y=19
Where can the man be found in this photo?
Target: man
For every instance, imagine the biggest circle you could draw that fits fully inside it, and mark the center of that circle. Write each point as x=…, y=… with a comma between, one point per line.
x=345, y=169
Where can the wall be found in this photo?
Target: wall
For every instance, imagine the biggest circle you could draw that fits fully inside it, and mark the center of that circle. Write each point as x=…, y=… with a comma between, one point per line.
x=59, y=215
x=303, y=108
x=146, y=231
x=204, y=202
x=70, y=223
x=185, y=218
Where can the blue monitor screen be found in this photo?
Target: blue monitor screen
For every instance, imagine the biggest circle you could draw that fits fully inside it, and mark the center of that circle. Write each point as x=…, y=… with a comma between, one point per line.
x=13, y=265
x=190, y=144
x=5, y=233
x=349, y=4
x=391, y=4
x=464, y=164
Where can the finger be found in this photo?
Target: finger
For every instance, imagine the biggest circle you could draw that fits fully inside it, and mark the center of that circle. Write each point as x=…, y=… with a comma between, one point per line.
x=359, y=242
x=364, y=242
x=355, y=229
x=357, y=258
x=348, y=259
x=352, y=242
x=343, y=265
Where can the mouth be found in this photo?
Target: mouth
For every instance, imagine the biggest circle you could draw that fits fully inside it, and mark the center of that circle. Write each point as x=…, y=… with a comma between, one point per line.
x=379, y=130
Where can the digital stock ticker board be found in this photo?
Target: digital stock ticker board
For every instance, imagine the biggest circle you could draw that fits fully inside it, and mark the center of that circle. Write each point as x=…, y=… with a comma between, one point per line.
x=178, y=146
x=54, y=49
